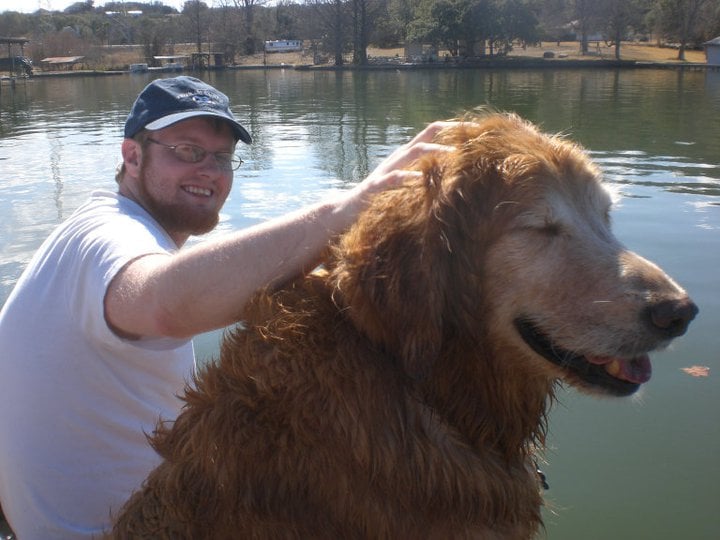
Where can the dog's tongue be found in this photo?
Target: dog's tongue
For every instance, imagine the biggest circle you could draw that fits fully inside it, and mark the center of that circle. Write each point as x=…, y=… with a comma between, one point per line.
x=635, y=370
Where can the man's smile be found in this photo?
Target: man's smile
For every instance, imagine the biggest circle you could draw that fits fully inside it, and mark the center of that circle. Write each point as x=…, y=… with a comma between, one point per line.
x=196, y=190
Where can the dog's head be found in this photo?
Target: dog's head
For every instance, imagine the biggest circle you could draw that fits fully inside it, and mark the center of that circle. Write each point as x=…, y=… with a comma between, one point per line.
x=507, y=241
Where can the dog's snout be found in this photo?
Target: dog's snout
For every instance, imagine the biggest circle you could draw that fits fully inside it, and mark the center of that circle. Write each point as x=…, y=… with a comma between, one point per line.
x=672, y=317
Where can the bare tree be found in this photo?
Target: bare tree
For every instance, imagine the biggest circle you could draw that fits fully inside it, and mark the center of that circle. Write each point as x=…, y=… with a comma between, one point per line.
x=332, y=16
x=226, y=19
x=618, y=17
x=195, y=11
x=553, y=18
x=248, y=9
x=360, y=31
x=586, y=13
x=680, y=19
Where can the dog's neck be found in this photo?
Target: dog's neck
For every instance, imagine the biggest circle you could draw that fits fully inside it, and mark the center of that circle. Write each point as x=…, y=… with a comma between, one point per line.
x=509, y=412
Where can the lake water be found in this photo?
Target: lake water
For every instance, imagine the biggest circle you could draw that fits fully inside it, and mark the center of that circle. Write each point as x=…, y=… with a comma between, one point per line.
x=641, y=468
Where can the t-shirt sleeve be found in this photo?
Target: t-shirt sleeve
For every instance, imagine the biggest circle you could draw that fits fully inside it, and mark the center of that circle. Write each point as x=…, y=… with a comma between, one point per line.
x=102, y=252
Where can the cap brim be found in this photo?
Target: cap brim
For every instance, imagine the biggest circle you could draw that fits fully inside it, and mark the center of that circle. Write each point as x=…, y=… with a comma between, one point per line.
x=240, y=132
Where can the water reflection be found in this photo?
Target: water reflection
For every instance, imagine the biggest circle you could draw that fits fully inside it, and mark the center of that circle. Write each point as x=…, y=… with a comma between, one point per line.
x=670, y=173
x=651, y=131
x=320, y=131
x=55, y=155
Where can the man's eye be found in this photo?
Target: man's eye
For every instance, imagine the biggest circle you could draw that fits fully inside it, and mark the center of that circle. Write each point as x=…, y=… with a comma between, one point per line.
x=190, y=153
x=223, y=157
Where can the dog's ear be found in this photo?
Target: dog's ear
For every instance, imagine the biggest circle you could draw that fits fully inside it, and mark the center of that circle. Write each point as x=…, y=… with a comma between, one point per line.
x=409, y=271
x=391, y=277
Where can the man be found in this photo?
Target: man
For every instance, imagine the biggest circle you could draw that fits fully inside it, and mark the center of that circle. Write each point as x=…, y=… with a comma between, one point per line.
x=96, y=336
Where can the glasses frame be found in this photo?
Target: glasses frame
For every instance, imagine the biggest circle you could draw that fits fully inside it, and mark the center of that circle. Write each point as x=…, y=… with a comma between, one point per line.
x=233, y=163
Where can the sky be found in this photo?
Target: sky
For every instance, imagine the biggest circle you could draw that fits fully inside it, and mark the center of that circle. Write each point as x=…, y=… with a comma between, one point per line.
x=30, y=6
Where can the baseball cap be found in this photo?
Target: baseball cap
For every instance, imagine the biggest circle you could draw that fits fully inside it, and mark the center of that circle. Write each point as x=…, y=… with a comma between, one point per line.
x=164, y=102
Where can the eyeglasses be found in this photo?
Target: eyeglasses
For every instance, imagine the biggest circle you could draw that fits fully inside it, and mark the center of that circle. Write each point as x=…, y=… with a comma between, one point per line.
x=190, y=153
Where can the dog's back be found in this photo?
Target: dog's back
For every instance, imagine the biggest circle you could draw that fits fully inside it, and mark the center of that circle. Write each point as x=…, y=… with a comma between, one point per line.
x=306, y=429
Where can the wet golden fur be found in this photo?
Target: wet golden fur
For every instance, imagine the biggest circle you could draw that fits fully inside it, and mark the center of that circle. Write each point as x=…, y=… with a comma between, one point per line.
x=389, y=394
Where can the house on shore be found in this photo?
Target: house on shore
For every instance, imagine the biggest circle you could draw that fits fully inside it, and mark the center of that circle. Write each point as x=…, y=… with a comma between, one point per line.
x=712, y=52
x=62, y=63
x=284, y=45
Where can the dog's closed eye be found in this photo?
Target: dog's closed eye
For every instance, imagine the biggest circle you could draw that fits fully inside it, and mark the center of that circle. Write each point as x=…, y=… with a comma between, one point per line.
x=546, y=226
x=551, y=228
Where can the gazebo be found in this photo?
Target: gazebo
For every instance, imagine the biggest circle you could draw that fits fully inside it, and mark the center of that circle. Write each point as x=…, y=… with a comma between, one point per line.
x=14, y=63
x=10, y=41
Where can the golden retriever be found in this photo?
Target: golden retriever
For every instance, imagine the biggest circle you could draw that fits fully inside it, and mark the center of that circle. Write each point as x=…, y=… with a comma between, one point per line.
x=402, y=390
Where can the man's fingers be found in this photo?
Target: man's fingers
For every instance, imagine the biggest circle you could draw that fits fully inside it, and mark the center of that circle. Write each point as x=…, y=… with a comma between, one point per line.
x=380, y=181
x=391, y=171
x=410, y=153
x=431, y=130
x=421, y=148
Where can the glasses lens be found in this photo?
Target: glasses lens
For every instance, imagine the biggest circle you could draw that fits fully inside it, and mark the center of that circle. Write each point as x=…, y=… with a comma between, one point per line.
x=189, y=153
x=235, y=162
x=224, y=160
x=227, y=161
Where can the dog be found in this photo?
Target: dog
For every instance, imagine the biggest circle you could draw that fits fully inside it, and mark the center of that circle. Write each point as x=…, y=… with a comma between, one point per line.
x=401, y=390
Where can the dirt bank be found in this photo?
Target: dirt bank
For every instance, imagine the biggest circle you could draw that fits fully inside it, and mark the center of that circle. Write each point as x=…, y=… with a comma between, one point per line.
x=119, y=58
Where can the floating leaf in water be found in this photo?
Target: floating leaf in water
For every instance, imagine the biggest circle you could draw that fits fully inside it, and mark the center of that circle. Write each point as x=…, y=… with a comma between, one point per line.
x=697, y=371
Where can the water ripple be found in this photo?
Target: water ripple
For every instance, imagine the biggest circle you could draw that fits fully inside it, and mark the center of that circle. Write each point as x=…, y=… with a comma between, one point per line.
x=677, y=174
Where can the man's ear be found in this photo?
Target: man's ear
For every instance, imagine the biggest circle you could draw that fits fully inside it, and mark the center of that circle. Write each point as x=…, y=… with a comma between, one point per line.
x=132, y=156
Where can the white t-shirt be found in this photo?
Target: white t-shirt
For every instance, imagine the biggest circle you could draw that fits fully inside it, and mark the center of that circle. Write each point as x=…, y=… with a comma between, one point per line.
x=75, y=399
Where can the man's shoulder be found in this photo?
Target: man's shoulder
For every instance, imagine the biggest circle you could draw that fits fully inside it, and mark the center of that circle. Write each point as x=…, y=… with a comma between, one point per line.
x=106, y=211
x=108, y=222
x=108, y=202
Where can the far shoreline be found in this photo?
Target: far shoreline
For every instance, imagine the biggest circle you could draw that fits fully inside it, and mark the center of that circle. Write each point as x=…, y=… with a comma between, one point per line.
x=513, y=63
x=545, y=56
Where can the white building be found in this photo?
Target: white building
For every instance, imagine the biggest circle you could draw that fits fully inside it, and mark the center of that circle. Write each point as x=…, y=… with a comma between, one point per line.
x=284, y=45
x=712, y=52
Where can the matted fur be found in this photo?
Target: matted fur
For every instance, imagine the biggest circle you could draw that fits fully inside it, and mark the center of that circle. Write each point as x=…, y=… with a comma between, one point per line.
x=392, y=394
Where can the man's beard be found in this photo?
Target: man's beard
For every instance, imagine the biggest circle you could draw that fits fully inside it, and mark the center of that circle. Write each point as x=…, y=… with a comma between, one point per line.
x=176, y=218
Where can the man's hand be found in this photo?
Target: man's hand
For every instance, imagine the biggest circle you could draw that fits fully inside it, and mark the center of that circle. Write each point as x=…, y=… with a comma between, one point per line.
x=391, y=171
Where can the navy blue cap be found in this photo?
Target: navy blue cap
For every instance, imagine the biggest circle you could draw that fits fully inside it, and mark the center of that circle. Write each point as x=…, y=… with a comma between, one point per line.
x=164, y=102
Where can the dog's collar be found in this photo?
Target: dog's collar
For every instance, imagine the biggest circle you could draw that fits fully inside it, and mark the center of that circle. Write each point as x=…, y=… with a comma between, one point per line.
x=542, y=479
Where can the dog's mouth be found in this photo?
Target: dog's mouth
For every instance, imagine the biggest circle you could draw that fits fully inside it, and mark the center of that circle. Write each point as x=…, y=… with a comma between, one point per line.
x=607, y=374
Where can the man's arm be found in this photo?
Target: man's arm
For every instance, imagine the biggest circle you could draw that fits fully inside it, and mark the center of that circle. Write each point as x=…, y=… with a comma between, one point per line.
x=205, y=286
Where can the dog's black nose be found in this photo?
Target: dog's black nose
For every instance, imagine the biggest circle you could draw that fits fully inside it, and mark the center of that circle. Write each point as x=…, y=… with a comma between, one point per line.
x=672, y=317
